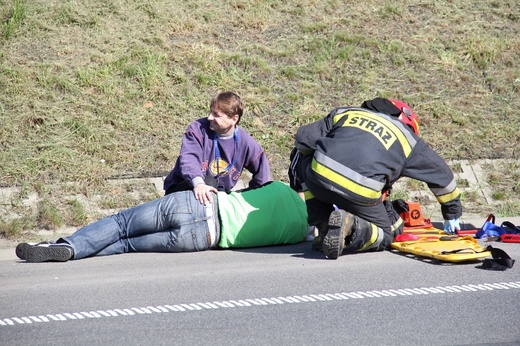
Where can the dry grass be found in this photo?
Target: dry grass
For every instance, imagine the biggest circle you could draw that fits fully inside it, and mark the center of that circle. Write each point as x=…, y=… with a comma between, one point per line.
x=105, y=88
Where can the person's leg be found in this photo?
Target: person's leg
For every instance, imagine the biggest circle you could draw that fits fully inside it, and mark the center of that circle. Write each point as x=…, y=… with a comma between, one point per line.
x=362, y=228
x=318, y=210
x=367, y=236
x=355, y=234
x=191, y=236
x=371, y=228
x=318, y=214
x=338, y=229
x=110, y=235
x=375, y=214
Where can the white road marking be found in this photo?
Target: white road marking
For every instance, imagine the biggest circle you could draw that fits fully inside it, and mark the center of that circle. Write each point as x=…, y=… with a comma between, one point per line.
x=311, y=298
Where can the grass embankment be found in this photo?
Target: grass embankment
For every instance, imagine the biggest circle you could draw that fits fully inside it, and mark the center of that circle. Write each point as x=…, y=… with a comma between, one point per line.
x=99, y=89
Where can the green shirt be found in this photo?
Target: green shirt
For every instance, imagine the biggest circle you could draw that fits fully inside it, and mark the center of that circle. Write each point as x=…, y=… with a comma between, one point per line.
x=269, y=215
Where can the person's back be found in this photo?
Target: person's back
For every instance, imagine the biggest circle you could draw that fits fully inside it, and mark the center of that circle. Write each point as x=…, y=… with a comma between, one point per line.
x=368, y=148
x=271, y=215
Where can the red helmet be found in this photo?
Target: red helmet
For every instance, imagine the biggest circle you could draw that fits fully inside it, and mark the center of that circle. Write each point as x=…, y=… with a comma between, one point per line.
x=407, y=115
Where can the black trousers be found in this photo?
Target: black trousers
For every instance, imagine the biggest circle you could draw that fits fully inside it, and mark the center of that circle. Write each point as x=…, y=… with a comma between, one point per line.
x=320, y=207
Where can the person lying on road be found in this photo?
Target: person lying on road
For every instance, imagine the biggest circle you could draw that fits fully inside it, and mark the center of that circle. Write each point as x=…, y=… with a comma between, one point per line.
x=271, y=214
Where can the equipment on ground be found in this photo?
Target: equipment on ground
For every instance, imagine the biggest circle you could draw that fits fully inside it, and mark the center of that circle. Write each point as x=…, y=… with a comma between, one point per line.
x=420, y=238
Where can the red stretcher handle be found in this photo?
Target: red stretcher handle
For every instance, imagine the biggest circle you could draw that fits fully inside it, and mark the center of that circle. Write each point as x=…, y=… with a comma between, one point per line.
x=466, y=232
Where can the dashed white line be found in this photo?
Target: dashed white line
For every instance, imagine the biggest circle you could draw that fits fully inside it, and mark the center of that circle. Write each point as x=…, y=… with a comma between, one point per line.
x=309, y=298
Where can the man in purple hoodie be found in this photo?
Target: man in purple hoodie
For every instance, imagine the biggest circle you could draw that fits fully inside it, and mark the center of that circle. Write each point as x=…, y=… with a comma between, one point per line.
x=215, y=150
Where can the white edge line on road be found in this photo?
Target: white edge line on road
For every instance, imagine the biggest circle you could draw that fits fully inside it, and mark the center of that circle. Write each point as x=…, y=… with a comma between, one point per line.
x=308, y=298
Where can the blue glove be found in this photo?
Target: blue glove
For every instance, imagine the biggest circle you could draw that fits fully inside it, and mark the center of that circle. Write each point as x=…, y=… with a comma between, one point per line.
x=451, y=226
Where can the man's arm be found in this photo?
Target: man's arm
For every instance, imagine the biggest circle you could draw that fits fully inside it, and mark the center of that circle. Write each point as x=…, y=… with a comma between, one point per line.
x=191, y=159
x=192, y=153
x=260, y=169
x=427, y=166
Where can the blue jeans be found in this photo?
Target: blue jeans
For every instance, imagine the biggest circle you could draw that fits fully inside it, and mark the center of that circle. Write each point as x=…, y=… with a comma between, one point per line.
x=174, y=223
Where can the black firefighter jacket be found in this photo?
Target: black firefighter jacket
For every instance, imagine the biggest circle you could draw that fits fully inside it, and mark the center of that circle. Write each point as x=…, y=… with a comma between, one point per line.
x=359, y=154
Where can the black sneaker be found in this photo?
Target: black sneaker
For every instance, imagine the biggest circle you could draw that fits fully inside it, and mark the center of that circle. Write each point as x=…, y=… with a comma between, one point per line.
x=22, y=248
x=340, y=226
x=48, y=252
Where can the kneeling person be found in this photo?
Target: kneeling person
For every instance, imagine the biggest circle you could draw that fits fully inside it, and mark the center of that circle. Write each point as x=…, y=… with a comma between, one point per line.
x=272, y=214
x=351, y=159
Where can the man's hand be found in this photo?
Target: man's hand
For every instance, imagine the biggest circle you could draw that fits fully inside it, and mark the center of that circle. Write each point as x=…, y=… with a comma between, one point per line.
x=203, y=193
x=451, y=226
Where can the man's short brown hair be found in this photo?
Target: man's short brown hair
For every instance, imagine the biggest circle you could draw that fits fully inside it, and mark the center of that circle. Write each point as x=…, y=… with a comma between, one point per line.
x=228, y=103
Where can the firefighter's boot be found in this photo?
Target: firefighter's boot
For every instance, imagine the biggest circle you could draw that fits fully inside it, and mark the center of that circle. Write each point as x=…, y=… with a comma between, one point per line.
x=340, y=226
x=317, y=242
x=365, y=236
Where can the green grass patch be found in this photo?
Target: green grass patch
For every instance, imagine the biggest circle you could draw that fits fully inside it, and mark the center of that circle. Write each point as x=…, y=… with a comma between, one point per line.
x=15, y=228
x=13, y=19
x=48, y=215
x=94, y=90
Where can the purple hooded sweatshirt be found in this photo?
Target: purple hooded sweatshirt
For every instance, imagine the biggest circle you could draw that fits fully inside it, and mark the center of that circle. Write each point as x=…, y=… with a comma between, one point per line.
x=197, y=164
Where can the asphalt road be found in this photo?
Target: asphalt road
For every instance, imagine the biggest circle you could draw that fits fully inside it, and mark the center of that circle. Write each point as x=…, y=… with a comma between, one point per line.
x=286, y=295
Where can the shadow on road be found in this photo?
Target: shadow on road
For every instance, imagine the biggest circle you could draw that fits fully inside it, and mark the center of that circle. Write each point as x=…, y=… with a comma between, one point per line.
x=301, y=250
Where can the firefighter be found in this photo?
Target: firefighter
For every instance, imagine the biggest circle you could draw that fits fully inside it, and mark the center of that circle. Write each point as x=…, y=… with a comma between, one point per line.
x=345, y=165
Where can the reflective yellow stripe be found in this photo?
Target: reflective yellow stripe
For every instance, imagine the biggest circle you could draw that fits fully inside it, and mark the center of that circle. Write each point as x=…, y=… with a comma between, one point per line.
x=396, y=225
x=383, y=129
x=308, y=195
x=373, y=238
x=345, y=171
x=439, y=191
x=448, y=197
x=343, y=181
x=338, y=117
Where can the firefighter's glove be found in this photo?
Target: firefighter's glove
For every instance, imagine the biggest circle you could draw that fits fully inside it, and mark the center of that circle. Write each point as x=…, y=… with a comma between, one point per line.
x=400, y=206
x=451, y=226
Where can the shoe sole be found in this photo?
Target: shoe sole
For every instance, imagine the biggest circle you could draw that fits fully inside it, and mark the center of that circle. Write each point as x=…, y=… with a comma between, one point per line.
x=21, y=250
x=36, y=254
x=334, y=241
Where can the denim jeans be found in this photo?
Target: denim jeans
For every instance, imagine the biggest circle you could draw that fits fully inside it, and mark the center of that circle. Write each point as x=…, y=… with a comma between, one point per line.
x=174, y=223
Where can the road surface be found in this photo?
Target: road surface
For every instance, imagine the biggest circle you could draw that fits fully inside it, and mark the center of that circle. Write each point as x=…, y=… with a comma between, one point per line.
x=284, y=295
